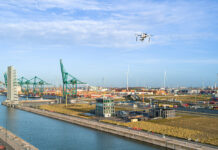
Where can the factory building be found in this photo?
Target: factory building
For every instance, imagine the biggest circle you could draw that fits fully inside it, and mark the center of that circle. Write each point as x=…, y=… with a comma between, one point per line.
x=104, y=107
x=161, y=112
x=167, y=113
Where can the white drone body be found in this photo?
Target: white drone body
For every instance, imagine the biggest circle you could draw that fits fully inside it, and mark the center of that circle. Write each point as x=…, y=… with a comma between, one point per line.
x=143, y=36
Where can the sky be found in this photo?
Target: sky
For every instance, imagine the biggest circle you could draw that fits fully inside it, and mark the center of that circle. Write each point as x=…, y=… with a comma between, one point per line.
x=96, y=41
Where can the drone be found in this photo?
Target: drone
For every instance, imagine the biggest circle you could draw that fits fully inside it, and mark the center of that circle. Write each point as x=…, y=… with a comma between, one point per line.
x=143, y=36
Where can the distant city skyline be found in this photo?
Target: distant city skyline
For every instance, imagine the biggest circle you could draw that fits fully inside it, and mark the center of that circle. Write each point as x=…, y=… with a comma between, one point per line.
x=96, y=40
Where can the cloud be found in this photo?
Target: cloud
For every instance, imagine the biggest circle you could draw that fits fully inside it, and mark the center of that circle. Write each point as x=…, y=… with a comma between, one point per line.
x=49, y=4
x=177, y=61
x=105, y=24
x=15, y=52
x=82, y=31
x=199, y=61
x=109, y=33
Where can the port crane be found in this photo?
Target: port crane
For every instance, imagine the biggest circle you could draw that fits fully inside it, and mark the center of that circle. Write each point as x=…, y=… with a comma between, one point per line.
x=69, y=82
x=1, y=83
x=6, y=79
x=143, y=36
x=37, y=82
x=23, y=82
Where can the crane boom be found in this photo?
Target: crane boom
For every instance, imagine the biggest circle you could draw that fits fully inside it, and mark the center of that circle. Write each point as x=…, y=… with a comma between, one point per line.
x=69, y=82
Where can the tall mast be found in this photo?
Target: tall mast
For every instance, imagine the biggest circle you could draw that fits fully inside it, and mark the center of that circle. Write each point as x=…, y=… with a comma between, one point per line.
x=165, y=75
x=127, y=79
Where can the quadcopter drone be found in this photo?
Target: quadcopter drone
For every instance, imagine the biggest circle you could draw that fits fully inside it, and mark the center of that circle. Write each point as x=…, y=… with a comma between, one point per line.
x=143, y=36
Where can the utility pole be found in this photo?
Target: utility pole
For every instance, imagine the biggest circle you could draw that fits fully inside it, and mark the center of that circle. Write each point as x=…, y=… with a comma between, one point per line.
x=143, y=96
x=165, y=74
x=102, y=82
x=216, y=81
x=66, y=100
x=127, y=80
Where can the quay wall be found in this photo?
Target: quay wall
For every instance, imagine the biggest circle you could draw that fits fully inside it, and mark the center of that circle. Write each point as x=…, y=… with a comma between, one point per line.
x=171, y=143
x=13, y=142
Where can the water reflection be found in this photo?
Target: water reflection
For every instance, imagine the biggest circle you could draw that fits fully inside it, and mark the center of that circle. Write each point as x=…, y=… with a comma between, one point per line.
x=11, y=119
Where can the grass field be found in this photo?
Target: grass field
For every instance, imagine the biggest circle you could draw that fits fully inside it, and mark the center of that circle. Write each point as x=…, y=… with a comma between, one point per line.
x=71, y=109
x=185, y=98
x=202, y=129
x=77, y=109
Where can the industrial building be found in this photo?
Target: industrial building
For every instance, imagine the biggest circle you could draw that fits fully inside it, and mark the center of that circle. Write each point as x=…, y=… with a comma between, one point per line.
x=104, y=107
x=161, y=112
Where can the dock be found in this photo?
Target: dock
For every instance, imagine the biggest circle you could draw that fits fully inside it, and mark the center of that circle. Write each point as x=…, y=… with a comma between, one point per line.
x=13, y=142
x=28, y=103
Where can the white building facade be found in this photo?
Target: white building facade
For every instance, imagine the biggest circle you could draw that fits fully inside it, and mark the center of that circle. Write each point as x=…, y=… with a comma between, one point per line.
x=12, y=92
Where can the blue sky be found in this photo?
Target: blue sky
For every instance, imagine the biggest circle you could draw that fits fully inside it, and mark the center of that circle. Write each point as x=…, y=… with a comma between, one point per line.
x=96, y=40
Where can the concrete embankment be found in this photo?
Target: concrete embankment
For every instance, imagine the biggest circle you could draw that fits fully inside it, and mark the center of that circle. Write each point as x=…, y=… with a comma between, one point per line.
x=167, y=142
x=12, y=142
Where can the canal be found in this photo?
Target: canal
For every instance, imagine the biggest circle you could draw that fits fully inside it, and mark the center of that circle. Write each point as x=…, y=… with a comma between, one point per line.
x=50, y=134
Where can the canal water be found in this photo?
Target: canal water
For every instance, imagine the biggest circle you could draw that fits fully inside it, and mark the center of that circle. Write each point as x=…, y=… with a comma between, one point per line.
x=50, y=134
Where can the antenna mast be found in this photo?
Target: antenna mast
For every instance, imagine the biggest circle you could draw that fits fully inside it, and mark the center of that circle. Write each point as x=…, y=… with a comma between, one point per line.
x=165, y=74
x=127, y=79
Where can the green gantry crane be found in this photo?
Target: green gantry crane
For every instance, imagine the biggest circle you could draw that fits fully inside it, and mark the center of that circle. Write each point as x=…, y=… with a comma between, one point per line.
x=22, y=82
x=6, y=79
x=69, y=82
x=36, y=81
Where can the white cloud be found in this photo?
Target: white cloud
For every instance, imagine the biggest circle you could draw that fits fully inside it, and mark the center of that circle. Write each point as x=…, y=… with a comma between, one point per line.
x=15, y=52
x=177, y=61
x=83, y=31
x=47, y=4
x=113, y=26
x=109, y=33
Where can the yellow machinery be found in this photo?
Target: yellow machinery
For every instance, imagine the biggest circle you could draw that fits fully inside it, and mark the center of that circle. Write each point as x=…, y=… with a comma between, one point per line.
x=166, y=105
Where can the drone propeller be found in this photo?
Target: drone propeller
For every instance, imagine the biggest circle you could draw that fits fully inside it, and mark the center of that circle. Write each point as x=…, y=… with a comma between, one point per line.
x=143, y=36
x=149, y=38
x=136, y=36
